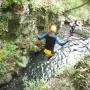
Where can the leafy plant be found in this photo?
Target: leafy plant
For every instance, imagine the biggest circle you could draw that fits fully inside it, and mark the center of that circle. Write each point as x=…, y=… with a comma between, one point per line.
x=8, y=3
x=79, y=76
x=3, y=25
x=37, y=84
x=79, y=80
x=7, y=50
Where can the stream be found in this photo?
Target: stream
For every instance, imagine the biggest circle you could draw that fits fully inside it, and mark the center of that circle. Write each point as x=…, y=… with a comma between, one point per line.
x=40, y=67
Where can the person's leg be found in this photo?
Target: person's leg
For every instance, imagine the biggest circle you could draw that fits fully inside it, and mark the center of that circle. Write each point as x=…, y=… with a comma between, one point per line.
x=52, y=55
x=37, y=53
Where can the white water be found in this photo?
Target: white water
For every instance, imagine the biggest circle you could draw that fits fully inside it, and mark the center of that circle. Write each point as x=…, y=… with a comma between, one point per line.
x=68, y=55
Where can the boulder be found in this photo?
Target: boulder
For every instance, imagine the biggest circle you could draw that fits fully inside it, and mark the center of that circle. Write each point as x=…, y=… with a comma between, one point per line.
x=83, y=32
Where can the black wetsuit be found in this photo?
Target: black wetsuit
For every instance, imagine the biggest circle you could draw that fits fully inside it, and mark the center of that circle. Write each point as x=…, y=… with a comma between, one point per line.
x=50, y=41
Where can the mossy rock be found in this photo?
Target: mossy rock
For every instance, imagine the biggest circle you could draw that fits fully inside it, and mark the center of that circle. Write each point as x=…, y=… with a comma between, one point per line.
x=5, y=78
x=22, y=62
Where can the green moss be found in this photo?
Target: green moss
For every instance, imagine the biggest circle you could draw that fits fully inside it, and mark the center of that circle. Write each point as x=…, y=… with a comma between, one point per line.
x=3, y=25
x=61, y=6
x=9, y=3
x=4, y=21
x=7, y=57
x=7, y=49
x=37, y=84
x=80, y=75
x=7, y=16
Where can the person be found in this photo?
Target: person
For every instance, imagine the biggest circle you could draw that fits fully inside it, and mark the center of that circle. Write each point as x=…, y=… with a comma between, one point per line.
x=51, y=38
x=72, y=25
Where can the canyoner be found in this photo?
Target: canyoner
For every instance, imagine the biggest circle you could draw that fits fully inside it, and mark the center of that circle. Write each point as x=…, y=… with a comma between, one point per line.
x=50, y=40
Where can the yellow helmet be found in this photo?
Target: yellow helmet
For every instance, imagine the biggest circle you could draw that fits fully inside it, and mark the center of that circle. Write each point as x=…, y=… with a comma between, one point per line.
x=53, y=28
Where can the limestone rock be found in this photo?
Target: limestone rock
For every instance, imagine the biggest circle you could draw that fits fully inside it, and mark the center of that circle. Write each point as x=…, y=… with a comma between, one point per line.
x=84, y=33
x=6, y=78
x=23, y=62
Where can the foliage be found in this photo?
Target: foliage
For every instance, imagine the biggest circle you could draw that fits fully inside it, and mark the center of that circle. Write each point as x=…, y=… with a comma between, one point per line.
x=37, y=84
x=79, y=77
x=60, y=6
x=7, y=59
x=32, y=6
x=7, y=16
x=7, y=49
x=44, y=14
x=66, y=72
x=9, y=3
x=4, y=21
x=78, y=73
x=3, y=25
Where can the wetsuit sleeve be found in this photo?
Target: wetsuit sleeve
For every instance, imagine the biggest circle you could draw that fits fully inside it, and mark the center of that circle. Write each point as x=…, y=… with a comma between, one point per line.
x=42, y=36
x=61, y=42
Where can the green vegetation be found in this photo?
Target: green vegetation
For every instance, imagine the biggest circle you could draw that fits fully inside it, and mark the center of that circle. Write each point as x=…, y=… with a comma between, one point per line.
x=7, y=60
x=39, y=84
x=63, y=7
x=3, y=25
x=78, y=74
x=9, y=3
x=9, y=9
x=36, y=7
x=14, y=39
x=79, y=77
x=70, y=7
x=6, y=50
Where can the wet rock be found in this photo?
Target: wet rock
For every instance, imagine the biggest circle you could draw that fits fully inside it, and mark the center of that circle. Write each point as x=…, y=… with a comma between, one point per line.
x=84, y=33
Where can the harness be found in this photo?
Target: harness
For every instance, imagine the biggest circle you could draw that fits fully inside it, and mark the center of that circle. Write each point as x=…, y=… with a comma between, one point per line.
x=48, y=52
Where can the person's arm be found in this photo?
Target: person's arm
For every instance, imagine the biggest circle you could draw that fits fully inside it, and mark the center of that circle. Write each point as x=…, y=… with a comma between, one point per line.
x=61, y=42
x=42, y=36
